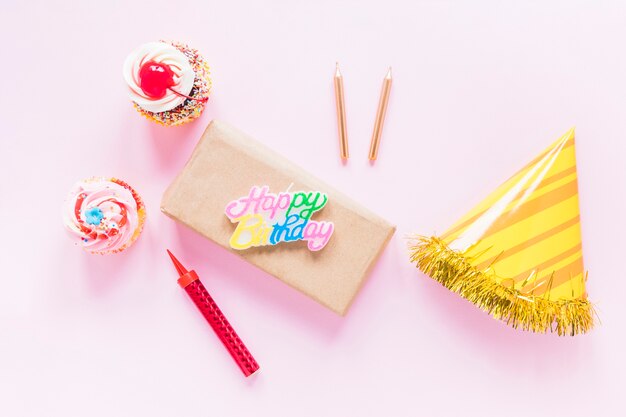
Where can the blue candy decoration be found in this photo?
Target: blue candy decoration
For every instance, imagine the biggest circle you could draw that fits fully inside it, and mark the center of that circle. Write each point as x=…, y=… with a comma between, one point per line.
x=94, y=216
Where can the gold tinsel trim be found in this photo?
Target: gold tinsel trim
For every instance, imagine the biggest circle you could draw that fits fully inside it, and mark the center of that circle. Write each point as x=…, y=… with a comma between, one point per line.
x=526, y=311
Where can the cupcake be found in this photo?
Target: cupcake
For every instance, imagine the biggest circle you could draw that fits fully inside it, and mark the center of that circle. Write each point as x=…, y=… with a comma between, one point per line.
x=105, y=215
x=168, y=82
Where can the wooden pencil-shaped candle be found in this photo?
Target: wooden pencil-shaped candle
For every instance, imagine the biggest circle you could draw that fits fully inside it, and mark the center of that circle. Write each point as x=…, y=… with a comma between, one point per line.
x=341, y=114
x=380, y=116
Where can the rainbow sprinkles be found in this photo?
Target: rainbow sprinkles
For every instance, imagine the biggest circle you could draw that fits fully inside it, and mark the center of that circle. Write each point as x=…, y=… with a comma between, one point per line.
x=264, y=219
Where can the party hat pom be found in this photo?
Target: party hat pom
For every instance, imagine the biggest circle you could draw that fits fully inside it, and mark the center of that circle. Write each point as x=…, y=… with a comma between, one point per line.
x=518, y=253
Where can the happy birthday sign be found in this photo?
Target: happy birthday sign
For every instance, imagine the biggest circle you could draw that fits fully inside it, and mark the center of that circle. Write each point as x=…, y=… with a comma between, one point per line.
x=264, y=218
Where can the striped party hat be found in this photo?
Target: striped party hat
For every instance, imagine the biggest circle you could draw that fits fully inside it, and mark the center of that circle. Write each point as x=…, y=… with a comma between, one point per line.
x=518, y=254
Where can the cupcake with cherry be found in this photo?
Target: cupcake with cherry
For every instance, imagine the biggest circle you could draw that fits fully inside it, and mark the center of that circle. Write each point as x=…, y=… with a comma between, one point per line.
x=104, y=215
x=168, y=82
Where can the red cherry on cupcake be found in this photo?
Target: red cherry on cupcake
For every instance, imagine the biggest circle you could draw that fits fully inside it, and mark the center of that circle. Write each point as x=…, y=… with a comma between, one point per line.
x=155, y=79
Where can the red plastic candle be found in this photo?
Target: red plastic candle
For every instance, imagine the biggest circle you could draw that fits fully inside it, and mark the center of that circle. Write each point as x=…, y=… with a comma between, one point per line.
x=191, y=283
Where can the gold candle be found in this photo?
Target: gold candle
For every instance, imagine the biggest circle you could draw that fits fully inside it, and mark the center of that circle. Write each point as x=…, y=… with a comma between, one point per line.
x=341, y=113
x=380, y=116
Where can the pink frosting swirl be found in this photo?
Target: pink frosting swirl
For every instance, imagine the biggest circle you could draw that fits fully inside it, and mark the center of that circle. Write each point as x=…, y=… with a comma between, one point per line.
x=105, y=214
x=163, y=53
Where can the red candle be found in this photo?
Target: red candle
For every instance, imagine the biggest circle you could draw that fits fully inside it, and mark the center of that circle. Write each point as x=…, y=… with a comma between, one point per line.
x=191, y=283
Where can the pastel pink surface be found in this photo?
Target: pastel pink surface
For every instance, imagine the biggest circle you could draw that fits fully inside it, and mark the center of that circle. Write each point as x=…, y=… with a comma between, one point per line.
x=479, y=89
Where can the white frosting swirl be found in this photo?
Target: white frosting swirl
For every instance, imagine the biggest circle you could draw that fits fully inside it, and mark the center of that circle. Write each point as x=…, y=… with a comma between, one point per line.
x=164, y=53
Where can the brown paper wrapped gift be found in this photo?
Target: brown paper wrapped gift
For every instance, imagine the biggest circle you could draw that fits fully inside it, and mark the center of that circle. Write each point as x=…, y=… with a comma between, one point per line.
x=224, y=166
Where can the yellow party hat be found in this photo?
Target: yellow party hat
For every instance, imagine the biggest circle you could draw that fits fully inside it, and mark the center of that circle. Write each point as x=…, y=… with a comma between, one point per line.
x=518, y=254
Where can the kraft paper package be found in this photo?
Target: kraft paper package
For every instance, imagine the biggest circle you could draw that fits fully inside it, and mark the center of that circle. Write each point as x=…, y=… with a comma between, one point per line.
x=225, y=165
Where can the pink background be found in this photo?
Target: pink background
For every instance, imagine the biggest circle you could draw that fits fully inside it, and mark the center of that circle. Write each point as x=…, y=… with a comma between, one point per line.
x=480, y=87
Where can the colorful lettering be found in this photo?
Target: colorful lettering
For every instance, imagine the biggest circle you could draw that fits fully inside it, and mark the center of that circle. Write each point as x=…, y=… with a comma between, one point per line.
x=264, y=218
